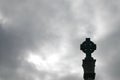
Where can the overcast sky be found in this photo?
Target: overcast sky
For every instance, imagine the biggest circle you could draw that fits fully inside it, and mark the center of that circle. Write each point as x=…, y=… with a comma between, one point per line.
x=40, y=39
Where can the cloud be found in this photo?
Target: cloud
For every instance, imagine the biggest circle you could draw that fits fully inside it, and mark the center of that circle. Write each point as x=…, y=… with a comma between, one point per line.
x=40, y=39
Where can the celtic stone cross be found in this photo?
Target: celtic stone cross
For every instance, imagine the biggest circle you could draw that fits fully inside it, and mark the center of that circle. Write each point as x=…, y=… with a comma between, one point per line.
x=88, y=47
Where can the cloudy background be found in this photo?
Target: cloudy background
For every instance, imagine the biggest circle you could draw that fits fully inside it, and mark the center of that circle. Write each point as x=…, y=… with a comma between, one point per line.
x=39, y=39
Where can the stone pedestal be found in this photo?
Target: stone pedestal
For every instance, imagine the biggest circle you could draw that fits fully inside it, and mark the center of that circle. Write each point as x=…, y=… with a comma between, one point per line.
x=89, y=68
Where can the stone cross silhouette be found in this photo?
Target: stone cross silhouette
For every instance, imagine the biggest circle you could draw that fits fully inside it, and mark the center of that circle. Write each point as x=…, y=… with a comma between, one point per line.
x=88, y=47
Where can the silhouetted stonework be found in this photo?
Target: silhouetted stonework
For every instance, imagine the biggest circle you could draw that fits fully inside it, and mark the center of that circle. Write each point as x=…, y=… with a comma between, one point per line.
x=88, y=65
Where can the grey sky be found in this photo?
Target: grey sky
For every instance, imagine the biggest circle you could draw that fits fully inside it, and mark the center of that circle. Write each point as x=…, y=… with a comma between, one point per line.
x=39, y=39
